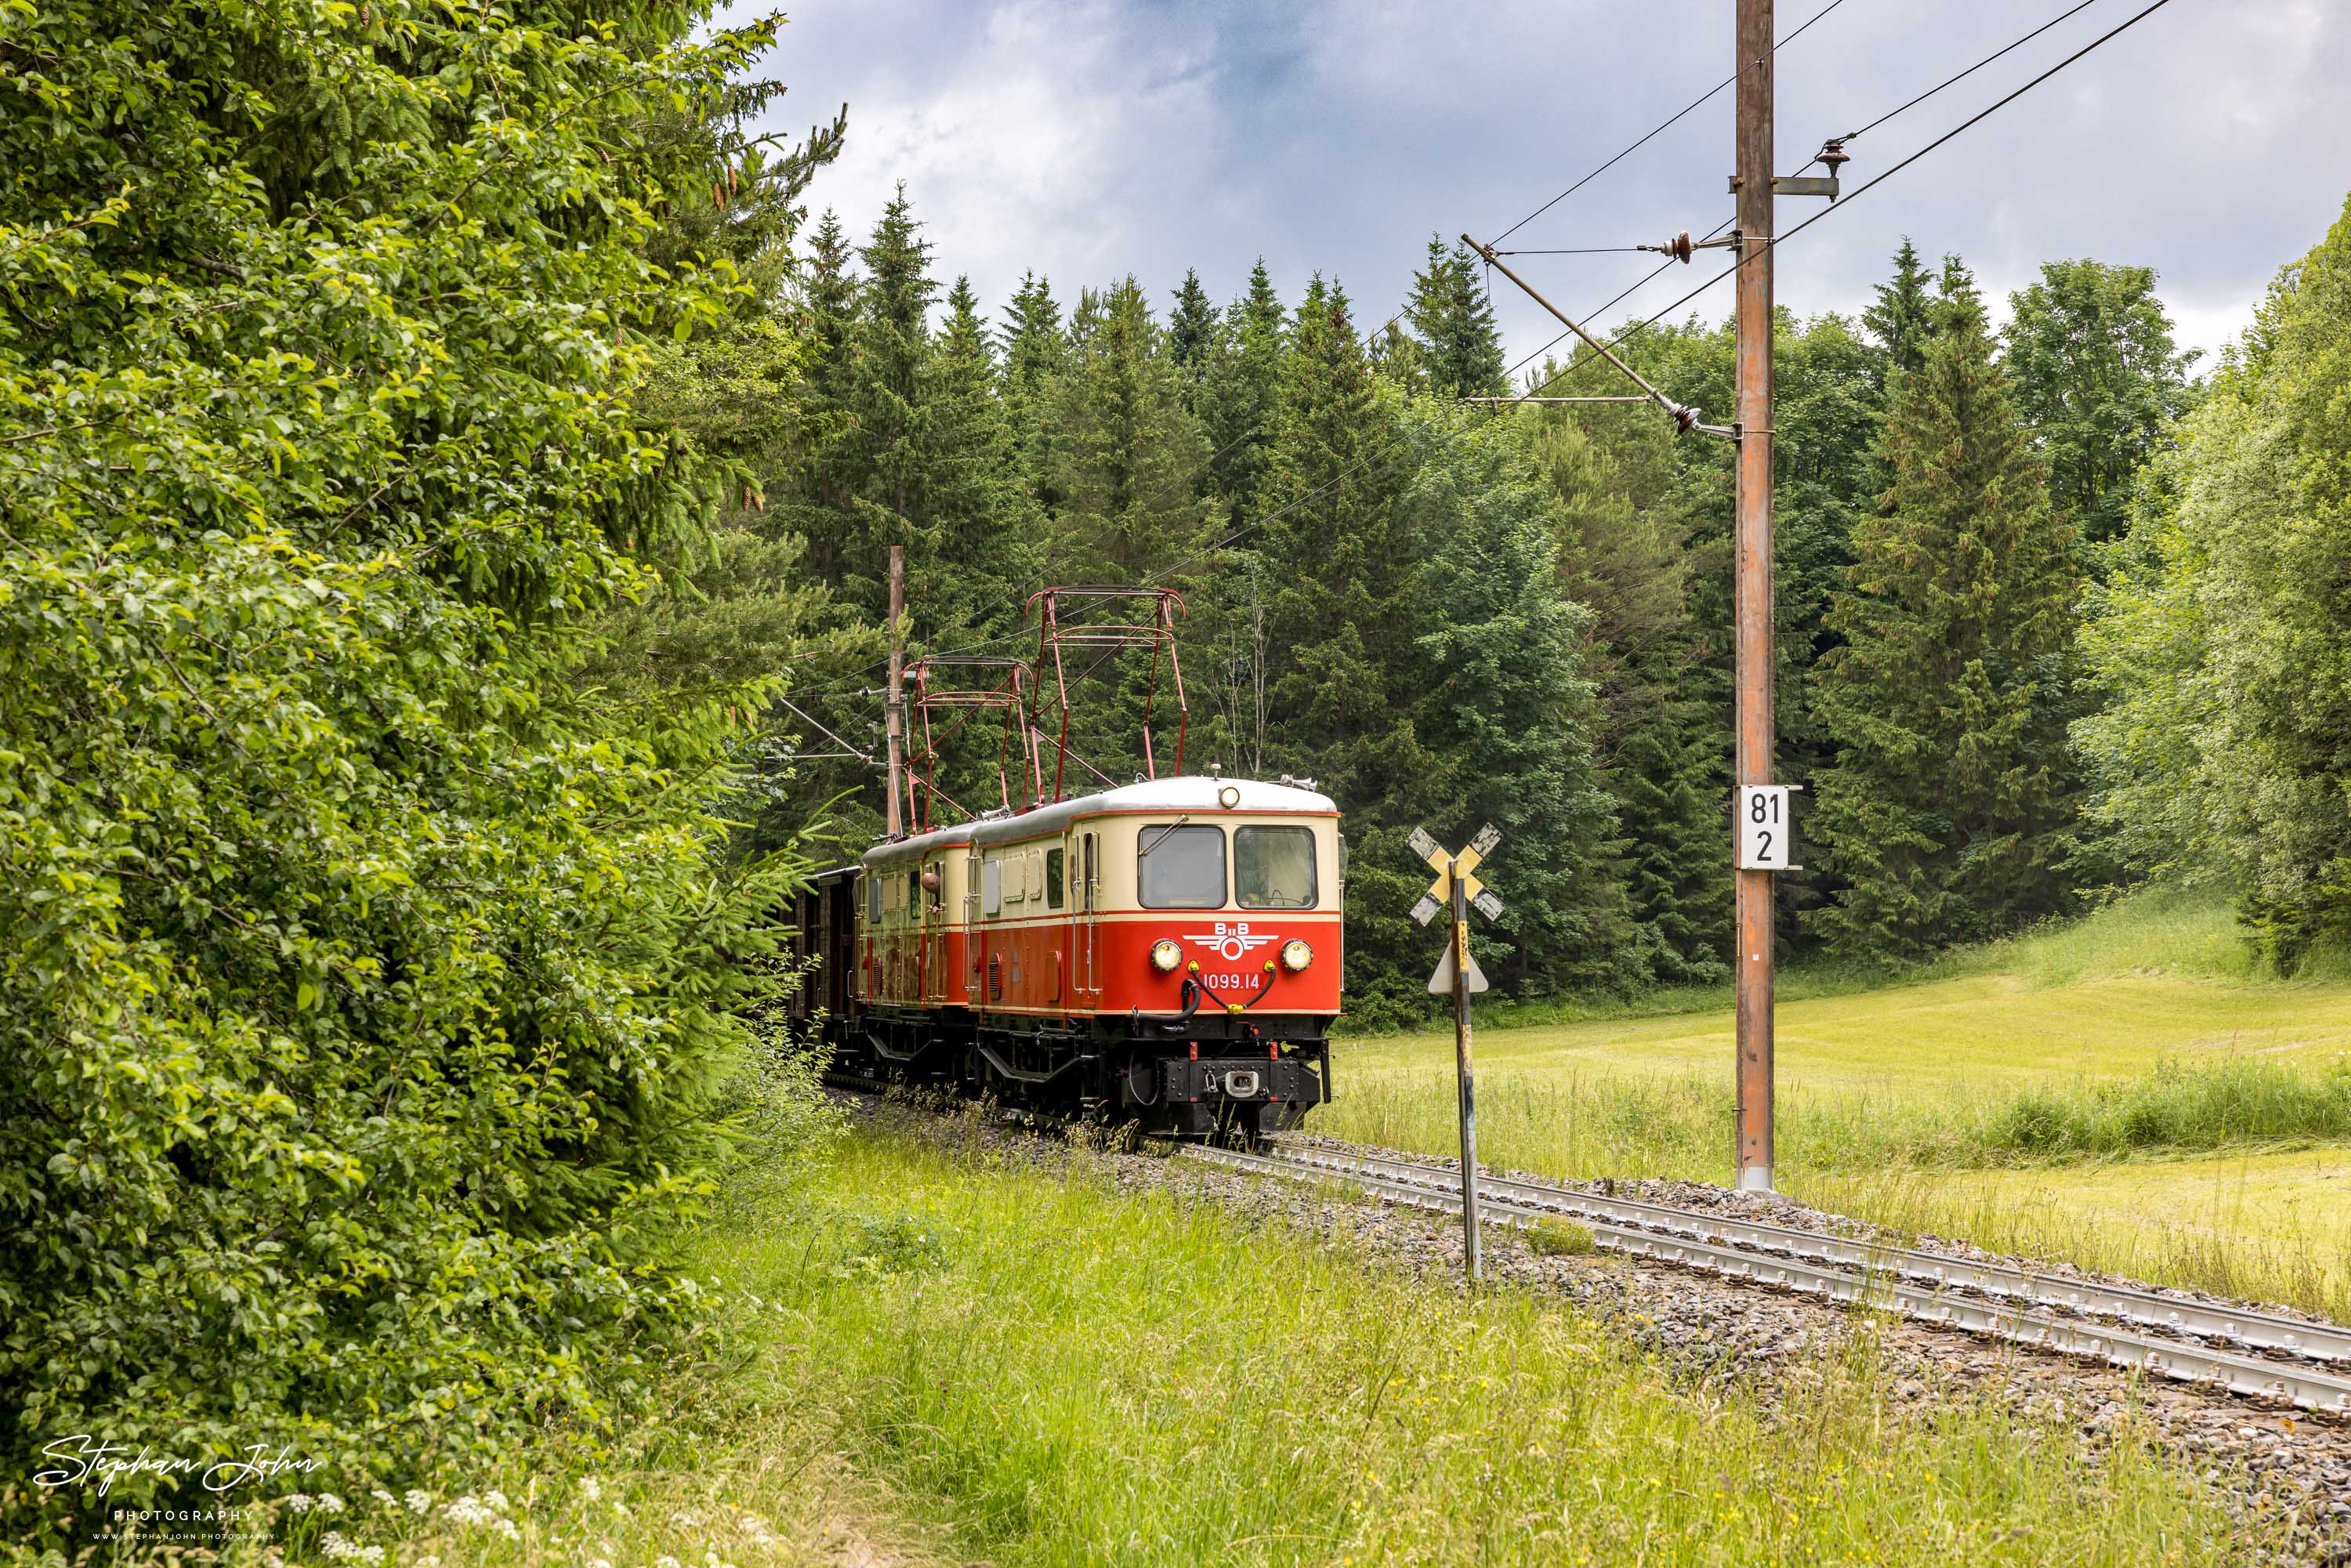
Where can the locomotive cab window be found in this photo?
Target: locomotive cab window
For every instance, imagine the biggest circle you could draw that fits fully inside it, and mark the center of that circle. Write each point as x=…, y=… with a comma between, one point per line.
x=1053, y=879
x=1181, y=867
x=1273, y=868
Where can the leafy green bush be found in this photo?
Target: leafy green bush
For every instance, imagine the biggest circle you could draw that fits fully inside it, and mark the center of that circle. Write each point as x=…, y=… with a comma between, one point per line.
x=363, y=1012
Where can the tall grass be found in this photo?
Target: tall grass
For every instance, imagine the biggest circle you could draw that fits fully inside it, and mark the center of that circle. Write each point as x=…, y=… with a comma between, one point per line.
x=2174, y=1108
x=1906, y=1162
x=1053, y=1374
x=1594, y=1125
x=2202, y=1241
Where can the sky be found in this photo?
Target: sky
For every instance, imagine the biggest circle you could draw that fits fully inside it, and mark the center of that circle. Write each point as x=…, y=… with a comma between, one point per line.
x=1089, y=139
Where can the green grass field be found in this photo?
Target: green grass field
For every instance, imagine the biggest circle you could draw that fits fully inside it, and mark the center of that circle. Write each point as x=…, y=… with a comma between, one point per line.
x=2121, y=1091
x=947, y=1358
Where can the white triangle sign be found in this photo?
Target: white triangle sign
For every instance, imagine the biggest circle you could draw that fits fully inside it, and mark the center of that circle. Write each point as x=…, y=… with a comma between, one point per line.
x=1440, y=983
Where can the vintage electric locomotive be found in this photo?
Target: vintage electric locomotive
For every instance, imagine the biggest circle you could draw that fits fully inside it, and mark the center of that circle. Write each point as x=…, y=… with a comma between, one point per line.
x=1166, y=952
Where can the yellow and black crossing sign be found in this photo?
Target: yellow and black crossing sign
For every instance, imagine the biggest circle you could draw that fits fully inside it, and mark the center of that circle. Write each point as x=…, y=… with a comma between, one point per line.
x=1447, y=867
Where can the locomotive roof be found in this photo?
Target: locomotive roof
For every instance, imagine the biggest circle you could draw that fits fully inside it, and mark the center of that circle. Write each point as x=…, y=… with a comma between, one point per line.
x=1193, y=792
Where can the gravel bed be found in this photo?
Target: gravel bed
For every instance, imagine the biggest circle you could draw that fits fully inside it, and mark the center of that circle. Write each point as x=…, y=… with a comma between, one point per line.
x=1775, y=1344
x=1777, y=1209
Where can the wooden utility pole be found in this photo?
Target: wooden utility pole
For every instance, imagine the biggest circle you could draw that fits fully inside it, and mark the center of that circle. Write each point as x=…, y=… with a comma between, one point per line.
x=1752, y=636
x=896, y=719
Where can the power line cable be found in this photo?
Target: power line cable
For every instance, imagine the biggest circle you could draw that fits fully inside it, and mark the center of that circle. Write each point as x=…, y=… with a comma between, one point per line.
x=1665, y=125
x=1593, y=313
x=1980, y=115
x=836, y=739
x=1947, y=81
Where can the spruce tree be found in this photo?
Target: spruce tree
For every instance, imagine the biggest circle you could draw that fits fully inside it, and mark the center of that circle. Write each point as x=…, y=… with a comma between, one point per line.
x=1191, y=333
x=1658, y=728
x=1127, y=456
x=1242, y=391
x=1461, y=353
x=1949, y=811
x=1956, y=296
x=814, y=499
x=1903, y=317
x=1397, y=355
x=1343, y=669
x=1036, y=351
x=980, y=522
x=889, y=346
x=1500, y=701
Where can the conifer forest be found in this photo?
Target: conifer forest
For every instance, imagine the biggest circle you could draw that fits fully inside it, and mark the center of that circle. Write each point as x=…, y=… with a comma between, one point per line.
x=449, y=460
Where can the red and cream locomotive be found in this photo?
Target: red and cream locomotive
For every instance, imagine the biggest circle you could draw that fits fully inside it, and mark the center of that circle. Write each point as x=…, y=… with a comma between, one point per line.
x=1166, y=952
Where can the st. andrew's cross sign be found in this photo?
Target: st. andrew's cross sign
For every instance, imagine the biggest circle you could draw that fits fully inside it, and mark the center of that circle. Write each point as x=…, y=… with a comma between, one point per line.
x=1456, y=884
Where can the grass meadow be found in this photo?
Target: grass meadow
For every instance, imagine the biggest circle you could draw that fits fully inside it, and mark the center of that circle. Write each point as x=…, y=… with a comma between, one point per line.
x=1013, y=1366
x=2122, y=1091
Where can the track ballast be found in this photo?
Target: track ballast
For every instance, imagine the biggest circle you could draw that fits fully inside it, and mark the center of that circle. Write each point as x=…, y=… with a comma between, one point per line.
x=2064, y=1315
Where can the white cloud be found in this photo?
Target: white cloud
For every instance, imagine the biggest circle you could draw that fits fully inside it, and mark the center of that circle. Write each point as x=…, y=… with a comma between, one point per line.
x=1088, y=138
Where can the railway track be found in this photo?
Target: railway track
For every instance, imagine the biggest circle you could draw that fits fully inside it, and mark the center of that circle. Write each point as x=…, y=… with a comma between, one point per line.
x=2269, y=1356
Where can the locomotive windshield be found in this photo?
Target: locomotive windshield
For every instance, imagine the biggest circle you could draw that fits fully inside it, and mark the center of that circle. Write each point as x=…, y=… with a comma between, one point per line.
x=1273, y=868
x=1182, y=868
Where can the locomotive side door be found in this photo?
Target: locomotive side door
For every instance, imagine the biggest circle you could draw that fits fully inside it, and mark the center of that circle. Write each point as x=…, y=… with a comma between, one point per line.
x=1089, y=901
x=971, y=939
x=935, y=931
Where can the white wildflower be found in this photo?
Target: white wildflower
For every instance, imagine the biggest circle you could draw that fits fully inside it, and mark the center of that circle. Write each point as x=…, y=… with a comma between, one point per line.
x=385, y=1497
x=466, y=1511
x=495, y=1501
x=667, y=1563
x=419, y=1501
x=599, y=1563
x=298, y=1502
x=590, y=1488
x=330, y=1503
x=336, y=1546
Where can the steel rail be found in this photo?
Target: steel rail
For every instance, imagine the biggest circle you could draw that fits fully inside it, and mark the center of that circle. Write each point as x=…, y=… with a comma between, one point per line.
x=2145, y=1309
x=2180, y=1361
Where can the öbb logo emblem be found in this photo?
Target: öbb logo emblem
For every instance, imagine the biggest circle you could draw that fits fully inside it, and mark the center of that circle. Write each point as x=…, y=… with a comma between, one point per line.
x=1233, y=941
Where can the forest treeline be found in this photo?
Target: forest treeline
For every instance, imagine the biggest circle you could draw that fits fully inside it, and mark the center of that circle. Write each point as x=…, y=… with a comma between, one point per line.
x=1449, y=612
x=444, y=483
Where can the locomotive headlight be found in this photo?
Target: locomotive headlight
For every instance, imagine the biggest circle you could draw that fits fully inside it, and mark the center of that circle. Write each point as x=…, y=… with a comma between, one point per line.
x=1229, y=796
x=1166, y=954
x=1296, y=955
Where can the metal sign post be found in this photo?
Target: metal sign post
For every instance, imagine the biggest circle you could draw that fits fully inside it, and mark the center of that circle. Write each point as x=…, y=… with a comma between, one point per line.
x=1456, y=886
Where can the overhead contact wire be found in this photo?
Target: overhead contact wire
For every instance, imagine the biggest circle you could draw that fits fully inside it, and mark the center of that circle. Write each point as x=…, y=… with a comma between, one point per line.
x=1972, y=120
x=1663, y=126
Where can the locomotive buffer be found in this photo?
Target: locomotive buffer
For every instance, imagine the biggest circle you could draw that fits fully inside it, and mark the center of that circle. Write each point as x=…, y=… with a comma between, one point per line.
x=1458, y=886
